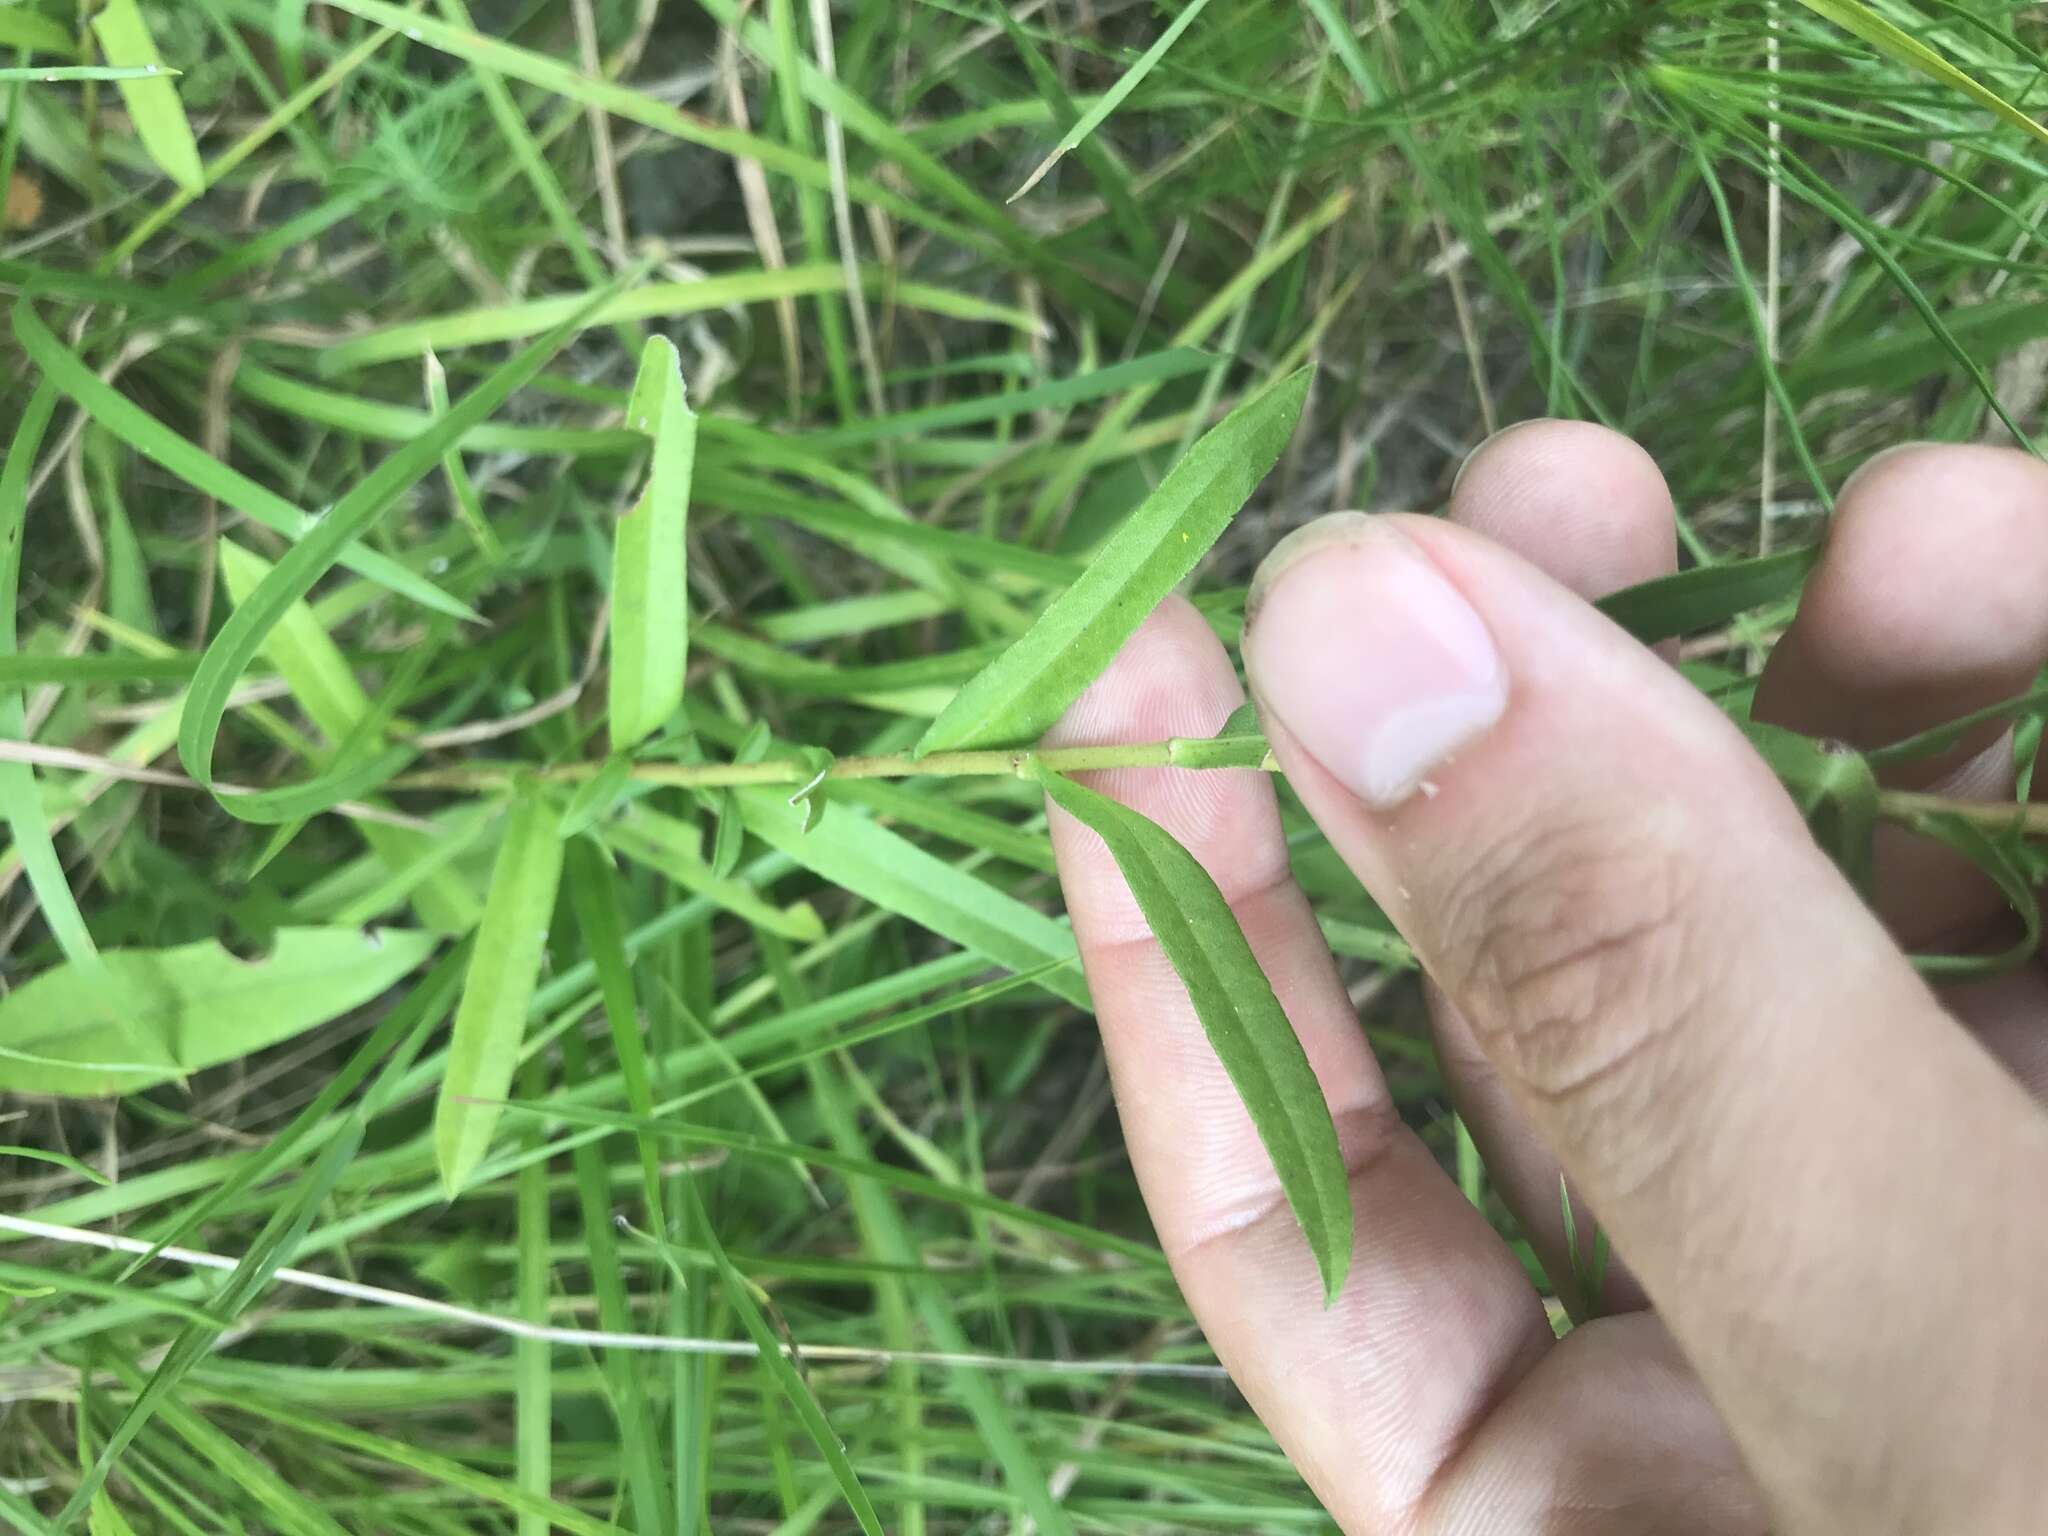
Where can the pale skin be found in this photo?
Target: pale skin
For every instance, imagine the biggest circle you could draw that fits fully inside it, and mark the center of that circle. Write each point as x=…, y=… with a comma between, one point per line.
x=1824, y=1179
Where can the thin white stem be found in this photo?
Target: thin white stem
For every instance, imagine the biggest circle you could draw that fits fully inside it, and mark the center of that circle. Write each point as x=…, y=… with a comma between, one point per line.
x=38, y=755
x=611, y=205
x=596, y=1338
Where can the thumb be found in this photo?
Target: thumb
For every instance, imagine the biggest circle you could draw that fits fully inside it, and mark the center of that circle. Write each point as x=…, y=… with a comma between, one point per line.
x=1804, y=1159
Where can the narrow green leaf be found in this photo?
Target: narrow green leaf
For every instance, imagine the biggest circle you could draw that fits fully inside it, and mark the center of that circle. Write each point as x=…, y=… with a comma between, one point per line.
x=533, y=1411
x=671, y=848
x=21, y=798
x=1027, y=688
x=596, y=795
x=242, y=636
x=728, y=835
x=468, y=504
x=62, y=1160
x=82, y=671
x=859, y=855
x=779, y=1367
x=490, y=1022
x=24, y=29
x=272, y=1248
x=1115, y=96
x=593, y=892
x=310, y=662
x=176, y=1011
x=627, y=1376
x=649, y=301
x=1896, y=43
x=1157, y=368
x=2003, y=860
x=1243, y=1019
x=146, y=435
x=397, y=1037
x=1711, y=594
x=354, y=777
x=1941, y=737
x=66, y=73
x=965, y=1196
x=153, y=104
x=650, y=634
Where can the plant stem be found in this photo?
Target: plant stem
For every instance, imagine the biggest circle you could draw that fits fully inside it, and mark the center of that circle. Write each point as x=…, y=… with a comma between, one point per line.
x=1016, y=762
x=1910, y=806
x=1019, y=762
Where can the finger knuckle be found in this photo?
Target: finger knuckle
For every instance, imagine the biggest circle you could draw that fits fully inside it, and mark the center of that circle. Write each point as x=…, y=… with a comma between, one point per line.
x=1579, y=957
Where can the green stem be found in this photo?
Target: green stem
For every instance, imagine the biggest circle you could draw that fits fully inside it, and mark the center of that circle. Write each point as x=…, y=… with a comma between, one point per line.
x=1020, y=762
x=1909, y=806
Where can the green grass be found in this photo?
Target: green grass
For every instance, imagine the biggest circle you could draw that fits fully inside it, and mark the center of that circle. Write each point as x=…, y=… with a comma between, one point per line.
x=321, y=420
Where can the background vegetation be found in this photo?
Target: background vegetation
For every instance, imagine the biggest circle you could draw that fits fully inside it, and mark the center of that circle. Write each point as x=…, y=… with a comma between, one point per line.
x=392, y=271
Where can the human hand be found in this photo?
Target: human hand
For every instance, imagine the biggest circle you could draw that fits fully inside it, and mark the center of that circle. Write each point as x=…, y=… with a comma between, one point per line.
x=1828, y=1179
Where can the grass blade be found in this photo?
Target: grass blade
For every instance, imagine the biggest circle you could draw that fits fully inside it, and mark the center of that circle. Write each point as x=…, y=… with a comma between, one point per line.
x=1698, y=599
x=671, y=848
x=597, y=796
x=1243, y=1019
x=151, y=438
x=650, y=301
x=80, y=72
x=895, y=874
x=272, y=1248
x=1028, y=687
x=490, y=1022
x=62, y=1160
x=1896, y=43
x=153, y=104
x=304, y=654
x=21, y=798
x=779, y=1367
x=468, y=504
x=1114, y=97
x=593, y=894
x=650, y=617
x=407, y=1024
x=242, y=636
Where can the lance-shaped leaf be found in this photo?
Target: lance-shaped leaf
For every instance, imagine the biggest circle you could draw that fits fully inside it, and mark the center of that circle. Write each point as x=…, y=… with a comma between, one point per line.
x=1698, y=599
x=152, y=100
x=650, y=630
x=1243, y=1019
x=490, y=1021
x=858, y=854
x=1020, y=693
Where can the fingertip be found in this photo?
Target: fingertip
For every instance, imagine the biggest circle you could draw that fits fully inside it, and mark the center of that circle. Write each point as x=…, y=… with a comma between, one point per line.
x=1927, y=600
x=1585, y=504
